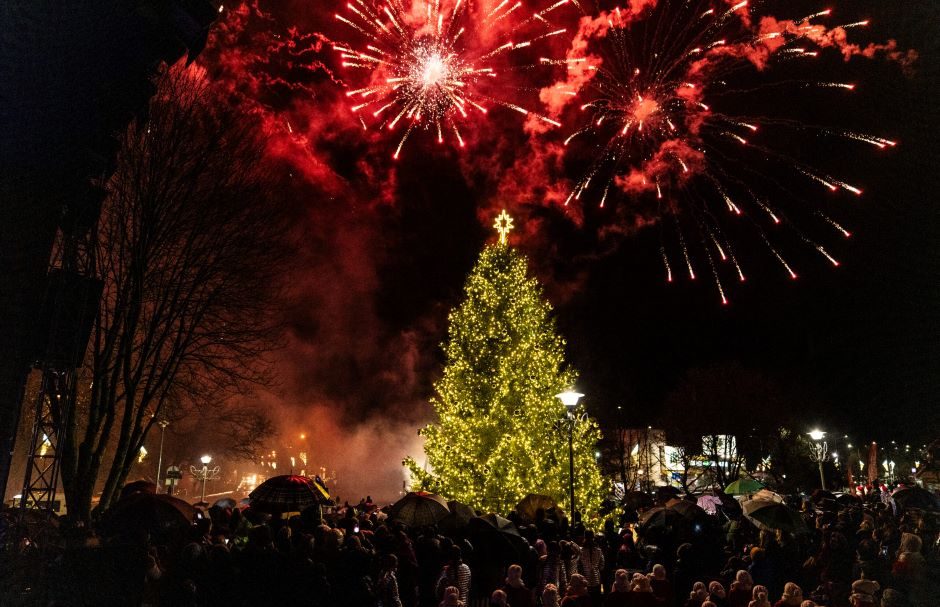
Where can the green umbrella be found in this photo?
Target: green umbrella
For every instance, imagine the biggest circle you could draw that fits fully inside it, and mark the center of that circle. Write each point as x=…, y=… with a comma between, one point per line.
x=743, y=486
x=773, y=515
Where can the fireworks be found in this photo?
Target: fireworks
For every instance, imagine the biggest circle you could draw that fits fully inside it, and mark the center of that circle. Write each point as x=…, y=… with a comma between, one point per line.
x=664, y=124
x=424, y=64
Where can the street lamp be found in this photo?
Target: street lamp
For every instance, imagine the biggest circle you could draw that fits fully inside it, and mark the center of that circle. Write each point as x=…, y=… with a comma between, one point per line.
x=819, y=452
x=163, y=424
x=205, y=474
x=570, y=399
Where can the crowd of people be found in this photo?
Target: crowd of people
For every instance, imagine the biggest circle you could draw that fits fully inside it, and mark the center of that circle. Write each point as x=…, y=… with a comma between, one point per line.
x=853, y=554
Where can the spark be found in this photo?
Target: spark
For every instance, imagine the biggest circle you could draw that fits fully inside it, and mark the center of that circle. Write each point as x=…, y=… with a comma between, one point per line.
x=419, y=68
x=659, y=121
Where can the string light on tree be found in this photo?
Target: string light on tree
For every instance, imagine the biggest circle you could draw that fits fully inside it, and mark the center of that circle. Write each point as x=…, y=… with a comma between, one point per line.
x=501, y=432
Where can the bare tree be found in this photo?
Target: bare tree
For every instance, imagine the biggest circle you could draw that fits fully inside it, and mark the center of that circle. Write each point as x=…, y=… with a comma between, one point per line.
x=190, y=242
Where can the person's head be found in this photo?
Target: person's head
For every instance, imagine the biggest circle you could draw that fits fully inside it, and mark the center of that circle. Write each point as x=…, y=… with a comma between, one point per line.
x=659, y=572
x=621, y=581
x=757, y=591
x=514, y=575
x=641, y=583
x=577, y=585
x=757, y=554
x=863, y=593
x=451, y=596
x=550, y=595
x=808, y=603
x=498, y=598
x=588, y=538
x=699, y=592
x=390, y=562
x=716, y=589
x=743, y=578
x=792, y=594
x=892, y=598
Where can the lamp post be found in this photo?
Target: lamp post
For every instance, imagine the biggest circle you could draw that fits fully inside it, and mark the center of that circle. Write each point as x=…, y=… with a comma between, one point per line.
x=205, y=474
x=570, y=399
x=163, y=424
x=819, y=453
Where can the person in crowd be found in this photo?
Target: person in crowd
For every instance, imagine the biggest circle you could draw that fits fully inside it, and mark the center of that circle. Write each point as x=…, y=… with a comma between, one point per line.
x=577, y=593
x=619, y=590
x=517, y=594
x=498, y=599
x=740, y=594
x=641, y=592
x=550, y=596
x=591, y=564
x=662, y=587
x=792, y=596
x=553, y=569
x=717, y=594
x=698, y=595
x=452, y=598
x=759, y=597
x=455, y=574
x=387, y=586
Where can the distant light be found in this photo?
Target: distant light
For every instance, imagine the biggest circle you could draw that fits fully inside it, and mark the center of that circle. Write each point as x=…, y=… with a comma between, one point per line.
x=849, y=445
x=206, y=459
x=816, y=434
x=570, y=398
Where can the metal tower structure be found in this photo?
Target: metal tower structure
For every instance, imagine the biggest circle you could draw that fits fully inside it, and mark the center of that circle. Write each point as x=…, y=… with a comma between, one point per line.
x=68, y=312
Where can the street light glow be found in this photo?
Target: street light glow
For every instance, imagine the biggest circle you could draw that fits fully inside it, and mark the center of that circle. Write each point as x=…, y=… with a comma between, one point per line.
x=816, y=434
x=570, y=398
x=205, y=459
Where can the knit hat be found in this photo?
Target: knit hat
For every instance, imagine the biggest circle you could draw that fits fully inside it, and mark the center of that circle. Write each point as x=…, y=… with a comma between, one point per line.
x=698, y=592
x=792, y=593
x=863, y=591
x=892, y=598
x=716, y=589
x=659, y=572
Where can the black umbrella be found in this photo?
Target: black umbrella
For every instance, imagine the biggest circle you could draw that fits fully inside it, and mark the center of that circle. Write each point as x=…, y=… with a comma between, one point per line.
x=419, y=509
x=497, y=536
x=664, y=494
x=531, y=503
x=636, y=500
x=287, y=493
x=660, y=516
x=457, y=518
x=916, y=497
x=160, y=515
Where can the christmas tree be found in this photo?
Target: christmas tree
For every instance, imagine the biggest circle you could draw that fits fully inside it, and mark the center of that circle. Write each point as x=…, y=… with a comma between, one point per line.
x=502, y=432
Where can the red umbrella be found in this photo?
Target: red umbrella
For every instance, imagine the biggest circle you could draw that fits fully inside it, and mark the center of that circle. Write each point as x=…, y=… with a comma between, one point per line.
x=287, y=493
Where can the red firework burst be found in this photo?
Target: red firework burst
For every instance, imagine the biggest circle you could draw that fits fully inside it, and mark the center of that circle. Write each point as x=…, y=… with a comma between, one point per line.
x=431, y=65
x=657, y=134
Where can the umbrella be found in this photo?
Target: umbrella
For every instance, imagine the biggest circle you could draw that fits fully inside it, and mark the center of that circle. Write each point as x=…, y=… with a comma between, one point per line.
x=660, y=516
x=226, y=502
x=140, y=486
x=773, y=515
x=457, y=518
x=494, y=534
x=664, y=494
x=684, y=507
x=767, y=495
x=531, y=503
x=158, y=514
x=916, y=497
x=821, y=494
x=635, y=500
x=286, y=493
x=709, y=503
x=848, y=499
x=743, y=486
x=419, y=509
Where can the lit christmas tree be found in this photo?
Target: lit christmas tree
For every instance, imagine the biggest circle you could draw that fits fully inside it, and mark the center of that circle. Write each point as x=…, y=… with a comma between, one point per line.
x=502, y=432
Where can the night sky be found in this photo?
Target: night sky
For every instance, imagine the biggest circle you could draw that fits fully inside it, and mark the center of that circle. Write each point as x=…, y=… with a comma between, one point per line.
x=384, y=247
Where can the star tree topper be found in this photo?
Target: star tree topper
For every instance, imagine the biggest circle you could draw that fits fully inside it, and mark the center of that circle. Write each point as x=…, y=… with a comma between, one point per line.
x=503, y=225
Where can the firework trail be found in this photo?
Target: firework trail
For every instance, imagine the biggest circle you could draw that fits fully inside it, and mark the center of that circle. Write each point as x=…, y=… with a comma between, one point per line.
x=661, y=119
x=435, y=66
